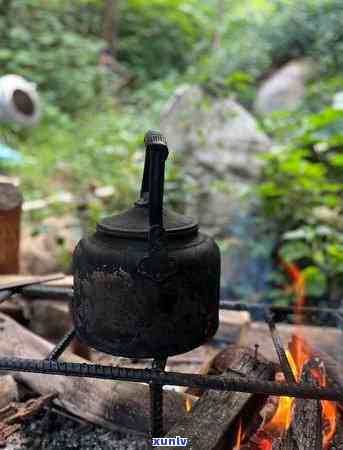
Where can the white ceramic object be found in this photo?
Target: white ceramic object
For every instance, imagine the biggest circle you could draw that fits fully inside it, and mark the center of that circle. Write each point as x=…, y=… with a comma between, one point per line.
x=19, y=101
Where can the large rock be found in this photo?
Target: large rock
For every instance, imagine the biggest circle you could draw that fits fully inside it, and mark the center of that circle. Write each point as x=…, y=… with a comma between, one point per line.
x=218, y=141
x=285, y=89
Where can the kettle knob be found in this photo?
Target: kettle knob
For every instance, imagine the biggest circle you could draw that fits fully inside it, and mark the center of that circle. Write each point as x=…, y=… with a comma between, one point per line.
x=155, y=138
x=153, y=177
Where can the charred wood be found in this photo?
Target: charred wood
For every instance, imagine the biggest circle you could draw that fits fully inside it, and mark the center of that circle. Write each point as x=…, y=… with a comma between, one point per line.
x=212, y=423
x=116, y=405
x=307, y=416
x=334, y=373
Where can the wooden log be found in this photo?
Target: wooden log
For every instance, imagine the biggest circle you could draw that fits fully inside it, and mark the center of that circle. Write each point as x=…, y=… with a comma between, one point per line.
x=328, y=340
x=305, y=432
x=337, y=443
x=334, y=373
x=114, y=404
x=22, y=282
x=10, y=214
x=212, y=422
x=56, y=279
x=14, y=414
x=14, y=310
x=8, y=390
x=307, y=415
x=287, y=442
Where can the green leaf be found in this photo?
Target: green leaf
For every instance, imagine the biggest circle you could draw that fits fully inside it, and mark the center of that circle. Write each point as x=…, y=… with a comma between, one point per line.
x=315, y=281
x=337, y=160
x=301, y=233
x=294, y=251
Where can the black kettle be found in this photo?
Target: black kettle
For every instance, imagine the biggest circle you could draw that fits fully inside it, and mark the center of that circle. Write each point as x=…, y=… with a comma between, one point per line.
x=146, y=283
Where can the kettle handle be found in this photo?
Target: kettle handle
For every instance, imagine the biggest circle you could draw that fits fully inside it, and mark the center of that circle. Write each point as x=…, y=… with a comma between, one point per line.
x=153, y=184
x=157, y=266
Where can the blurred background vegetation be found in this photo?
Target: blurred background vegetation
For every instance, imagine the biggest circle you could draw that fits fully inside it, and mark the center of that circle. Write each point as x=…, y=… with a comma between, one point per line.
x=105, y=69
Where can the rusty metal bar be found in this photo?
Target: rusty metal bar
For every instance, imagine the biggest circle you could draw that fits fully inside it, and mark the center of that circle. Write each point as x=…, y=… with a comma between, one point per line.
x=156, y=401
x=47, y=292
x=5, y=295
x=61, y=346
x=168, y=378
x=241, y=306
x=284, y=363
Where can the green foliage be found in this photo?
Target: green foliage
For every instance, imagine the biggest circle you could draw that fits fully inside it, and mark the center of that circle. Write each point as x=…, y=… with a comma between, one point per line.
x=302, y=195
x=95, y=149
x=309, y=28
x=91, y=131
x=259, y=41
x=38, y=42
x=233, y=67
x=158, y=37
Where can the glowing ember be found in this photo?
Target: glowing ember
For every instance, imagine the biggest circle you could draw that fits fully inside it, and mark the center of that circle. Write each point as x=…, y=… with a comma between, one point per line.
x=265, y=444
x=188, y=403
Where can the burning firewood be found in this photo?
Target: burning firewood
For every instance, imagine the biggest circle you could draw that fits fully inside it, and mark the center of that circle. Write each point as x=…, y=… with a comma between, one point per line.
x=213, y=421
x=334, y=372
x=337, y=443
x=299, y=424
x=307, y=422
x=286, y=443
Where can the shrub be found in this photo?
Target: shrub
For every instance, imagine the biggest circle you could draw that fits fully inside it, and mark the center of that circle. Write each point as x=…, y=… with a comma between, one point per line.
x=38, y=42
x=302, y=196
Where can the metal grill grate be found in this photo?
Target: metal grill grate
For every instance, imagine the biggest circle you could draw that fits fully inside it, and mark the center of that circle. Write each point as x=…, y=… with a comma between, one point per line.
x=157, y=377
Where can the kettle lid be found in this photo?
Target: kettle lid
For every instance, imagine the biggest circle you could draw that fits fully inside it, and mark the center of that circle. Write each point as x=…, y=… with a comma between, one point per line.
x=148, y=213
x=134, y=223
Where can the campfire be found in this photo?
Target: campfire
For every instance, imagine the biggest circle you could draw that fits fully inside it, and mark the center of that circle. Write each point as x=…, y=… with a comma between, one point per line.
x=146, y=287
x=278, y=429
x=246, y=401
x=290, y=423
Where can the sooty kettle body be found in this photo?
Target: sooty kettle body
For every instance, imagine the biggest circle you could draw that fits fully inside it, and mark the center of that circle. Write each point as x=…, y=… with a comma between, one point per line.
x=146, y=283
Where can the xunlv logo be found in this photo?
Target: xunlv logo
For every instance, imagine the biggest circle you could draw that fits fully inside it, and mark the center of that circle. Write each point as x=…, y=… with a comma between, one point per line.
x=169, y=442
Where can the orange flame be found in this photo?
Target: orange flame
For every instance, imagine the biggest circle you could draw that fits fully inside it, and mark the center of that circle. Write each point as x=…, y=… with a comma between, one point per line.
x=298, y=355
x=302, y=352
x=298, y=279
x=188, y=402
x=329, y=411
x=239, y=437
x=329, y=421
x=282, y=419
